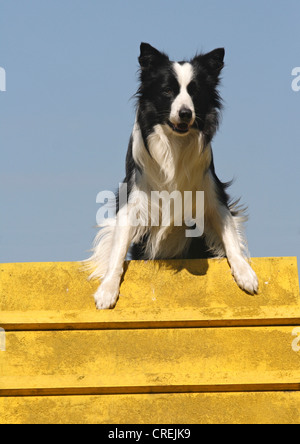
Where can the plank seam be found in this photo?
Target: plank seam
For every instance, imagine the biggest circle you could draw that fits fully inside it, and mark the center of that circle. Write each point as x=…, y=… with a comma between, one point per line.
x=147, y=325
x=75, y=391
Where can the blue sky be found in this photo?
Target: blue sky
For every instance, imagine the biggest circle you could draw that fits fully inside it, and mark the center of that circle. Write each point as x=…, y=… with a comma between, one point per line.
x=66, y=117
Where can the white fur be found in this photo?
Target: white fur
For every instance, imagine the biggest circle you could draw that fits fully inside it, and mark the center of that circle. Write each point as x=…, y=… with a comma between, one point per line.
x=184, y=74
x=176, y=163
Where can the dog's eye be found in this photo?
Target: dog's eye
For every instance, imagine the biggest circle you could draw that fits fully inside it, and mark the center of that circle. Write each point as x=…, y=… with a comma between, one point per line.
x=167, y=92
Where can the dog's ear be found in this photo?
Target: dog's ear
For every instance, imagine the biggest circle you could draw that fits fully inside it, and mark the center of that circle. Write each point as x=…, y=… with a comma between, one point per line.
x=151, y=57
x=212, y=61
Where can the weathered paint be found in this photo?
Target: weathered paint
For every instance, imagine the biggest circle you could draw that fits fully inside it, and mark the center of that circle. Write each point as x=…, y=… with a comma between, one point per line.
x=162, y=408
x=183, y=328
x=149, y=360
x=153, y=294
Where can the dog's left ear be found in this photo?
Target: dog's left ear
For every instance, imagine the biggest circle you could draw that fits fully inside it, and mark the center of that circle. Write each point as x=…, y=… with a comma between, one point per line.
x=150, y=57
x=212, y=61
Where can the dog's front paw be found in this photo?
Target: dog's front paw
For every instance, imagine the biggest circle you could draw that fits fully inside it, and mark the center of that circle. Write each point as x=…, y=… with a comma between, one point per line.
x=245, y=277
x=107, y=295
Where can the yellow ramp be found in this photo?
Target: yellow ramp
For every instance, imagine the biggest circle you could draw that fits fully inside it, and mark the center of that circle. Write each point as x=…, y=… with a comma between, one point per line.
x=183, y=345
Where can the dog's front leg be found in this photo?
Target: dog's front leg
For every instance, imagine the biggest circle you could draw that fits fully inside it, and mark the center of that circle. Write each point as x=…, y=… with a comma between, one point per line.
x=225, y=226
x=107, y=294
x=242, y=272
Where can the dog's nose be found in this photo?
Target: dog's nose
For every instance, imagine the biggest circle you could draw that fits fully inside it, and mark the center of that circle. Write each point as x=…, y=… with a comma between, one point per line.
x=185, y=114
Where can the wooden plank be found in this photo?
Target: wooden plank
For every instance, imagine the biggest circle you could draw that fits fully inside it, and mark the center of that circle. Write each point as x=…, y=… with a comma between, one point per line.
x=175, y=408
x=200, y=293
x=87, y=320
x=144, y=361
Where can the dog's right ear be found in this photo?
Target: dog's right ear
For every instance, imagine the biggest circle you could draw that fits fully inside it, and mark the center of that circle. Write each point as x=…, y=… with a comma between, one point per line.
x=151, y=57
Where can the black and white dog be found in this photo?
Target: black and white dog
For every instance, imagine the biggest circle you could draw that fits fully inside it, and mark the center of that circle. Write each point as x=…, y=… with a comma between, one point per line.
x=170, y=151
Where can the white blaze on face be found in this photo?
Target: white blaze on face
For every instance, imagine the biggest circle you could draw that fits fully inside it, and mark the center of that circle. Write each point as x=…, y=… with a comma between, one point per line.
x=184, y=74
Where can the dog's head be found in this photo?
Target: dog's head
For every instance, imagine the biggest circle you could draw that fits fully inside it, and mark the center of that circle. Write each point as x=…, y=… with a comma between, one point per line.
x=181, y=95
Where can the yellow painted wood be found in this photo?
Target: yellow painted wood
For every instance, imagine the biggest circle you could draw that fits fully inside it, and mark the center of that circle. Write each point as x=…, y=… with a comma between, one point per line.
x=174, y=408
x=143, y=361
x=183, y=345
x=153, y=294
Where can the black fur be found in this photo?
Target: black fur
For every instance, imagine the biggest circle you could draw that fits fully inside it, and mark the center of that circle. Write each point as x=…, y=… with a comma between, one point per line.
x=158, y=88
x=178, y=109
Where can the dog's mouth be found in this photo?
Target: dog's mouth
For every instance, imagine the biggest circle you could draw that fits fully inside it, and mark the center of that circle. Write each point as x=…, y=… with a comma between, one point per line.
x=181, y=128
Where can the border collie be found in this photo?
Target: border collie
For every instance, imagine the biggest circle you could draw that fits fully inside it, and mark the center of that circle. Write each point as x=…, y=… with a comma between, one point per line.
x=177, y=115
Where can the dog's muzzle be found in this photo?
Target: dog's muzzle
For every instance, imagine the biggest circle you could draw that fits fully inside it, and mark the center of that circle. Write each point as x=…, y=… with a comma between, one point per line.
x=185, y=121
